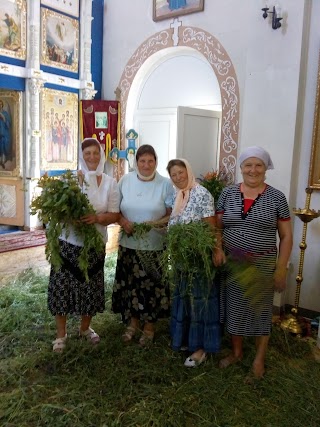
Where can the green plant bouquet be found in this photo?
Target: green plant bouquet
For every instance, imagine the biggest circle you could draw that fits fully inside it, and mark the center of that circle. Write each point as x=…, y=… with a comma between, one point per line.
x=214, y=182
x=188, y=252
x=149, y=259
x=250, y=278
x=60, y=205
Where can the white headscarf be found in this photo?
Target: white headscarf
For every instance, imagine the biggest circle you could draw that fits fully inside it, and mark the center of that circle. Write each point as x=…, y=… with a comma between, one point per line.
x=83, y=164
x=258, y=152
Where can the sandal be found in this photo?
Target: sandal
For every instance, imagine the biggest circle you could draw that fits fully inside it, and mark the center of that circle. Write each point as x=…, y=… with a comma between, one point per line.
x=90, y=336
x=128, y=334
x=192, y=363
x=59, y=344
x=146, y=339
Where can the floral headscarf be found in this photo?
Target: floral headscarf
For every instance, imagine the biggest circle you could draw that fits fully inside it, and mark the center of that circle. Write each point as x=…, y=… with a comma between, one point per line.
x=183, y=194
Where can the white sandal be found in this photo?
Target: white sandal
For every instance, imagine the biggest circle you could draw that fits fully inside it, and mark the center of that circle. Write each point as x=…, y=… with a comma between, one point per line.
x=59, y=344
x=192, y=363
x=90, y=336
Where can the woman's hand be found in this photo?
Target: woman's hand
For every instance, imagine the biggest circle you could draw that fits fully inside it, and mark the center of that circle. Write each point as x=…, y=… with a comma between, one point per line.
x=80, y=177
x=126, y=225
x=280, y=279
x=218, y=257
x=90, y=219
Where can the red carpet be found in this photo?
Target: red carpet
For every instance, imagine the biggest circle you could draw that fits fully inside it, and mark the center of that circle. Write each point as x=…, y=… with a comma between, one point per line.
x=22, y=240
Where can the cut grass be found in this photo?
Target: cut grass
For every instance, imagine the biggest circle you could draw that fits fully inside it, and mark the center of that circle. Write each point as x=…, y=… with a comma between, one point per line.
x=124, y=385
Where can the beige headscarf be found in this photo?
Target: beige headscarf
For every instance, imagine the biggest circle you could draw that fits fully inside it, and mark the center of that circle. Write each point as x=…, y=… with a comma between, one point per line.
x=183, y=194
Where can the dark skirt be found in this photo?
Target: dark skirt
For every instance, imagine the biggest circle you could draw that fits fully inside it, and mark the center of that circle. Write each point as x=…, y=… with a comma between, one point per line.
x=68, y=291
x=138, y=290
x=195, y=316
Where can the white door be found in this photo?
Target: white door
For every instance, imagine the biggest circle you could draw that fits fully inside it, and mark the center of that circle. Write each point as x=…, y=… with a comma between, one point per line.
x=159, y=129
x=198, y=135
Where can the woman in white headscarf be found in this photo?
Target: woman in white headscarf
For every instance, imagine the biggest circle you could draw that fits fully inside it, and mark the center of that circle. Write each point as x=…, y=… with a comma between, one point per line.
x=195, y=307
x=252, y=214
x=139, y=294
x=69, y=292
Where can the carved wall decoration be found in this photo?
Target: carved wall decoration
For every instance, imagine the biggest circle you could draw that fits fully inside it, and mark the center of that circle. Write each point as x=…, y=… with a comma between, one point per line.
x=11, y=201
x=223, y=68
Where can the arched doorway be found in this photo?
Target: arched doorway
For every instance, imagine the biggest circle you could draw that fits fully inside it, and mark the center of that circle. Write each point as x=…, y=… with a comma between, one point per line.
x=220, y=62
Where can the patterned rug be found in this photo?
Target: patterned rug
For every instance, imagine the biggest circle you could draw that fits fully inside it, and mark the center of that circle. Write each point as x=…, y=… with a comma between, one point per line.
x=22, y=240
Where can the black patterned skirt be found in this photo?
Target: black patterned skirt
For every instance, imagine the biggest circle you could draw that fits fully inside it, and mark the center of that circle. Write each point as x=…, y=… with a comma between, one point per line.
x=68, y=291
x=138, y=290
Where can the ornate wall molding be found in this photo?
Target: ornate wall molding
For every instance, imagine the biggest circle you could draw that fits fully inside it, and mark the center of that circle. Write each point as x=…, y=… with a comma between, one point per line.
x=35, y=86
x=87, y=93
x=221, y=63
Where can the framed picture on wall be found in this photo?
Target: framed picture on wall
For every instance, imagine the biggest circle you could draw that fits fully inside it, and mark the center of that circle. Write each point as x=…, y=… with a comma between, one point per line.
x=164, y=9
x=70, y=7
x=60, y=40
x=59, y=124
x=314, y=171
x=10, y=133
x=13, y=28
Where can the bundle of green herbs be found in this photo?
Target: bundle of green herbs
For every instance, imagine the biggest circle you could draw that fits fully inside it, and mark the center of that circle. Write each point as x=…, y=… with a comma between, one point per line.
x=188, y=252
x=250, y=278
x=61, y=204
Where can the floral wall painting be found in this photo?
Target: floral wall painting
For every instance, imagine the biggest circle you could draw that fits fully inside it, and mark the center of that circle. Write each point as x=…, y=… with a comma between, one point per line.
x=13, y=28
x=164, y=9
x=60, y=41
x=59, y=122
x=10, y=132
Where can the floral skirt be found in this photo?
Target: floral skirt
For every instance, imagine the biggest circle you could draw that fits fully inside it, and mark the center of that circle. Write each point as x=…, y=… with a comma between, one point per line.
x=195, y=316
x=68, y=291
x=138, y=290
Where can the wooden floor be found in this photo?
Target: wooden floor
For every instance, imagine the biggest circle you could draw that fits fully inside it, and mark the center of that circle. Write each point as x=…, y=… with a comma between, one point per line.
x=15, y=262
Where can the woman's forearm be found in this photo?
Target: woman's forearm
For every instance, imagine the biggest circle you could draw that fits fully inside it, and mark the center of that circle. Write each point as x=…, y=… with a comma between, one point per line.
x=107, y=218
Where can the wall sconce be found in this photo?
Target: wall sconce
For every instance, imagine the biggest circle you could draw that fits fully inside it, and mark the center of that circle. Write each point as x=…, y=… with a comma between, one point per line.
x=276, y=16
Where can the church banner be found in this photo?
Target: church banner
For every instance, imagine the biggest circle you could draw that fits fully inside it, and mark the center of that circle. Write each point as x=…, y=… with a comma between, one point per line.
x=100, y=119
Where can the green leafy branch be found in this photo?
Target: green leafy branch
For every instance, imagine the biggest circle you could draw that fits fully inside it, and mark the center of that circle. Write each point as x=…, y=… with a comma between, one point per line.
x=62, y=204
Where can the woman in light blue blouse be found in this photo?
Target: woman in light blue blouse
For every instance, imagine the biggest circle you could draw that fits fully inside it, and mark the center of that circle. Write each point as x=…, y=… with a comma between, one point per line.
x=138, y=292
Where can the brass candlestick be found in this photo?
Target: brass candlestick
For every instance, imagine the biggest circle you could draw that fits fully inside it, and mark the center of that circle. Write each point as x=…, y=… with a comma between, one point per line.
x=292, y=323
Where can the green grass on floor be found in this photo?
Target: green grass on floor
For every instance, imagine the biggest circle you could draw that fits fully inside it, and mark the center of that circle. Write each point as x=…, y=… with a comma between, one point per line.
x=124, y=385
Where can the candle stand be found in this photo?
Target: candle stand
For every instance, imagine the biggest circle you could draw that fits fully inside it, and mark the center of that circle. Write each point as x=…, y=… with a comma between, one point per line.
x=292, y=323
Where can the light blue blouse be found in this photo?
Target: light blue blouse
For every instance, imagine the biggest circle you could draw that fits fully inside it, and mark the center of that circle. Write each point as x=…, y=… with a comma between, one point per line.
x=144, y=201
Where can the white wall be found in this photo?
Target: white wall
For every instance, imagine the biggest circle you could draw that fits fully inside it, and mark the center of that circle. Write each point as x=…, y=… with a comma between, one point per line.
x=271, y=81
x=310, y=289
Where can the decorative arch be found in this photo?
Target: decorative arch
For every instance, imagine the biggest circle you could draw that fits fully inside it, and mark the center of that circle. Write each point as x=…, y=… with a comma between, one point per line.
x=223, y=68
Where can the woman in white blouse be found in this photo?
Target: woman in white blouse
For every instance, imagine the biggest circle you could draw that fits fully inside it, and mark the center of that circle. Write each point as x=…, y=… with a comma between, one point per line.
x=69, y=292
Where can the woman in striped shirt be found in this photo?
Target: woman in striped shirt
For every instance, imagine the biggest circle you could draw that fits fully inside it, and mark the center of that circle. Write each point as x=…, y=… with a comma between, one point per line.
x=252, y=214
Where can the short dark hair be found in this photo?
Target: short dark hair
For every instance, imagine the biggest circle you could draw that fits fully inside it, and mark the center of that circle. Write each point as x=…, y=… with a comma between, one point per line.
x=88, y=142
x=175, y=162
x=146, y=149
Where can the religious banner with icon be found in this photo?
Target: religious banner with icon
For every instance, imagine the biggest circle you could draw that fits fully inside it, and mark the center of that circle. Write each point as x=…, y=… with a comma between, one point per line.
x=100, y=119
